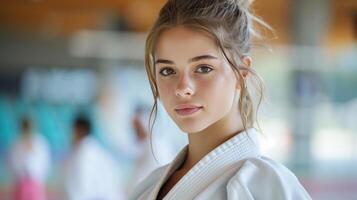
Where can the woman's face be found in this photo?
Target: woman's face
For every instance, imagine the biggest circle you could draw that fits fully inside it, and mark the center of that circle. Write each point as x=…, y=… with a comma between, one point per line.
x=196, y=84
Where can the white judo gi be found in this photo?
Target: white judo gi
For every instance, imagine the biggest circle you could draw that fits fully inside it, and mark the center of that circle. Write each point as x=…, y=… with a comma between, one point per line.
x=234, y=170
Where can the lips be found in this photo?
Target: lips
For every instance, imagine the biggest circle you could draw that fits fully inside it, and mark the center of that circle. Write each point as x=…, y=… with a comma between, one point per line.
x=185, y=110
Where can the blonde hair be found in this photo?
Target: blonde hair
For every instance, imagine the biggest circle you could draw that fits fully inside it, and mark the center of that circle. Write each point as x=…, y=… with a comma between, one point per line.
x=231, y=24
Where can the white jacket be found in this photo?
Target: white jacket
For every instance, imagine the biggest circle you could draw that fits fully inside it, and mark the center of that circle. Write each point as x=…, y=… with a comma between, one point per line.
x=34, y=162
x=234, y=170
x=92, y=173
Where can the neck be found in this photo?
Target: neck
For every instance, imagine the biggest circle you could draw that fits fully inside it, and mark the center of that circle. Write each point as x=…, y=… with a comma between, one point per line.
x=203, y=142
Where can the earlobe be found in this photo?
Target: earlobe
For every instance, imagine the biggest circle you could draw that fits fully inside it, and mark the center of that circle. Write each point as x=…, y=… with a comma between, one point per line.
x=245, y=73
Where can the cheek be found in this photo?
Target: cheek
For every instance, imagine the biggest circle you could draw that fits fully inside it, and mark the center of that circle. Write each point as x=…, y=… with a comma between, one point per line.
x=219, y=97
x=165, y=89
x=218, y=89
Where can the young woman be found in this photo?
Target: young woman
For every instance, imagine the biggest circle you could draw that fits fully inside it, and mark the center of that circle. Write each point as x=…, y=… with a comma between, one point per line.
x=198, y=64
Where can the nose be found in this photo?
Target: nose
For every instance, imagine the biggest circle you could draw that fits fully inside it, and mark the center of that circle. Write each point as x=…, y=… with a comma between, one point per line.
x=184, y=87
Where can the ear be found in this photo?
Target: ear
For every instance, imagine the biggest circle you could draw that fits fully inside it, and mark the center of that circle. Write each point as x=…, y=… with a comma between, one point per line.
x=247, y=62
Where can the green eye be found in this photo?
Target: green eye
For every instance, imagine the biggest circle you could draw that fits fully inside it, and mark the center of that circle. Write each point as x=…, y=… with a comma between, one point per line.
x=166, y=71
x=204, y=69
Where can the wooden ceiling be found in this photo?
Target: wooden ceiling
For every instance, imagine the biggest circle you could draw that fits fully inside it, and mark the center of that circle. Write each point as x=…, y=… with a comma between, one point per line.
x=67, y=16
x=64, y=17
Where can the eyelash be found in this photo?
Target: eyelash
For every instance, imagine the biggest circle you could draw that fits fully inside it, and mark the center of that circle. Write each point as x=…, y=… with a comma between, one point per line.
x=162, y=71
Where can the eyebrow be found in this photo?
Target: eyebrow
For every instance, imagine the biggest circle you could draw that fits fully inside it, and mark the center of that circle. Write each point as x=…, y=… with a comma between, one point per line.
x=194, y=59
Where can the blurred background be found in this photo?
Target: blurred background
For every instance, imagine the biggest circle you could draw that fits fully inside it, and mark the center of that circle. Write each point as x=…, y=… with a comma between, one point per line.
x=73, y=70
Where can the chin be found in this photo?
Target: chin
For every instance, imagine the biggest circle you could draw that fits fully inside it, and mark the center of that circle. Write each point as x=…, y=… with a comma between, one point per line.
x=191, y=127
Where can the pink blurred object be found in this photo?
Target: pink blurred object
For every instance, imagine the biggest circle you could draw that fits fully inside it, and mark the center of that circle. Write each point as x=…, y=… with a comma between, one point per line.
x=29, y=189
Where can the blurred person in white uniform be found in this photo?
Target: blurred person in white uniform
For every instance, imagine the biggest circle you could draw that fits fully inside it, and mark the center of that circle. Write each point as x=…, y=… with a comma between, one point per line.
x=91, y=172
x=199, y=66
x=30, y=162
x=147, y=158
